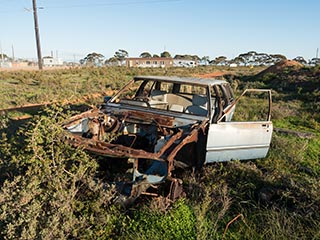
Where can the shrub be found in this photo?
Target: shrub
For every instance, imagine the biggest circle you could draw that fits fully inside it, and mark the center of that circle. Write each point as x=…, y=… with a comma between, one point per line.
x=54, y=194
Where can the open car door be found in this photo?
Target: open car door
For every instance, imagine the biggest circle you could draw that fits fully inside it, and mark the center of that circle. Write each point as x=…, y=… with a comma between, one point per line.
x=241, y=139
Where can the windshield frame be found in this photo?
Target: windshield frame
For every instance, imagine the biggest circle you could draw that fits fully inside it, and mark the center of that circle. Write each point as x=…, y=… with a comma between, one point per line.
x=146, y=86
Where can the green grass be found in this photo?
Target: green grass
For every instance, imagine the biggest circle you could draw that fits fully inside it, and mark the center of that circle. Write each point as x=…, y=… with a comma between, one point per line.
x=24, y=87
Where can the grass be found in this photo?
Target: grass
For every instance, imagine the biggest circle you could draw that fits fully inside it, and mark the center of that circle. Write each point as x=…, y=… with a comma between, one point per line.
x=46, y=184
x=25, y=87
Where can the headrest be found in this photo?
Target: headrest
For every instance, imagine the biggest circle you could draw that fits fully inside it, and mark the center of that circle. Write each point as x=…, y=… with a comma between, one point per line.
x=158, y=95
x=199, y=100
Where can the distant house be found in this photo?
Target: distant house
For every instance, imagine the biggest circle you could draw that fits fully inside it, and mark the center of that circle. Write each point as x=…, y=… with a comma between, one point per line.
x=5, y=64
x=23, y=64
x=52, y=62
x=185, y=63
x=149, y=62
x=314, y=62
x=115, y=63
x=222, y=63
x=5, y=61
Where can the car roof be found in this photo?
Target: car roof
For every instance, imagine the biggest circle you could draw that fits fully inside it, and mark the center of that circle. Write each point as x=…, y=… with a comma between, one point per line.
x=187, y=80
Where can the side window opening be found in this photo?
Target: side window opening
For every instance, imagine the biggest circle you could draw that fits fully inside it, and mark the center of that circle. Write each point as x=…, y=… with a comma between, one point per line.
x=176, y=88
x=223, y=96
x=145, y=89
x=165, y=87
x=157, y=86
x=227, y=93
x=254, y=105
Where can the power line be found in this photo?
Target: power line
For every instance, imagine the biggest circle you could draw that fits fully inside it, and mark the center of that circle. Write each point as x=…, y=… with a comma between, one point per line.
x=10, y=4
x=11, y=11
x=114, y=4
x=3, y=1
x=95, y=5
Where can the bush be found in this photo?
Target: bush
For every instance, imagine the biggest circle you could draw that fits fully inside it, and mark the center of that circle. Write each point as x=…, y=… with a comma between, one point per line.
x=54, y=194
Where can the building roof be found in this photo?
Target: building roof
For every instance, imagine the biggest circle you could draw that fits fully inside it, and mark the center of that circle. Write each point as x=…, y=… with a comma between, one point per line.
x=187, y=80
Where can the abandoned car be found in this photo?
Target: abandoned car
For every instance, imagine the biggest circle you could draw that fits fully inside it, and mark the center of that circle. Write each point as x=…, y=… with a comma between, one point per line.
x=155, y=125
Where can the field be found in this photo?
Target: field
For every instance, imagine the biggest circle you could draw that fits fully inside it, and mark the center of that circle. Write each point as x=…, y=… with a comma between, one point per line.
x=49, y=190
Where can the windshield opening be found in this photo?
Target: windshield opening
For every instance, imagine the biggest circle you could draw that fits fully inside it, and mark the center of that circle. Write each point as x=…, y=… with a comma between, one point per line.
x=170, y=96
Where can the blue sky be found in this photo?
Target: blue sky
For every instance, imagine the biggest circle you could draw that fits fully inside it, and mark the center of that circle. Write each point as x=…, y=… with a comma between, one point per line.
x=212, y=28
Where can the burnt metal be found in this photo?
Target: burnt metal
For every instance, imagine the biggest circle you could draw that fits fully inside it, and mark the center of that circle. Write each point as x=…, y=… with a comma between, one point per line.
x=149, y=142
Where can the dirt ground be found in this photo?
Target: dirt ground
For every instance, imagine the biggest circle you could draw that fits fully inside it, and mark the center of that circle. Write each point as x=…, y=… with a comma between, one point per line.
x=212, y=74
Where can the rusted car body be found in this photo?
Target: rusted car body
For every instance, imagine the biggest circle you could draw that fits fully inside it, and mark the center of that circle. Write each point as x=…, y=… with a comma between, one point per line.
x=155, y=125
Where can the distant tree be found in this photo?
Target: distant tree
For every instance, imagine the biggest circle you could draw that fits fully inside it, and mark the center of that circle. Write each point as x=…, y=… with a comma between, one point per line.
x=300, y=60
x=121, y=54
x=314, y=61
x=5, y=57
x=205, y=59
x=195, y=57
x=247, y=55
x=280, y=56
x=239, y=59
x=93, y=59
x=251, y=53
x=112, y=61
x=165, y=54
x=145, y=55
x=82, y=61
x=155, y=56
x=187, y=57
x=220, y=59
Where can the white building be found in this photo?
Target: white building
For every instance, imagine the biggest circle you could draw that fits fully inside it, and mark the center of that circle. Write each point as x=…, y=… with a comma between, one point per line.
x=5, y=65
x=149, y=62
x=52, y=62
x=184, y=63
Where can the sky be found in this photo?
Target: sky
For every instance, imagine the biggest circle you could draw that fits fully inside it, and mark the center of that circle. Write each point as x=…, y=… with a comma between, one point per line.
x=73, y=28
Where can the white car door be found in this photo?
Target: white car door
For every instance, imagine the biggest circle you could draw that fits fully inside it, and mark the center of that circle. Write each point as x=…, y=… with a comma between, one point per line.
x=239, y=140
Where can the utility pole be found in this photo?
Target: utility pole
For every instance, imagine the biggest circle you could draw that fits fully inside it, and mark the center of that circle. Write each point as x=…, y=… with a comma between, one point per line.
x=1, y=52
x=317, y=53
x=36, y=27
x=12, y=53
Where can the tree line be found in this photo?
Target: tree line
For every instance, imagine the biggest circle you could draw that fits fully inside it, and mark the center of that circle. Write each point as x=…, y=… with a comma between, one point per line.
x=120, y=55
